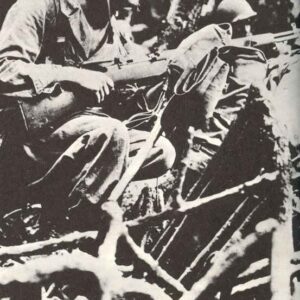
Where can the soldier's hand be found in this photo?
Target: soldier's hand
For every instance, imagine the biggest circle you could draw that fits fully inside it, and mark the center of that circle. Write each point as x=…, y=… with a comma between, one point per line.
x=96, y=82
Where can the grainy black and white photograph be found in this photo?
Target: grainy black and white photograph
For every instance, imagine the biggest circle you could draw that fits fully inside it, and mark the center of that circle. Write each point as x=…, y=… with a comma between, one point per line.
x=149, y=149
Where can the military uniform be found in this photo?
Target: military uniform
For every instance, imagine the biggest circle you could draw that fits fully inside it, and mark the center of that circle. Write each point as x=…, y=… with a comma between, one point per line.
x=86, y=153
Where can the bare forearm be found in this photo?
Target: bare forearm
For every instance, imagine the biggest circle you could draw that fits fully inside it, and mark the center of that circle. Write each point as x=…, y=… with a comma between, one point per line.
x=45, y=76
x=93, y=81
x=61, y=74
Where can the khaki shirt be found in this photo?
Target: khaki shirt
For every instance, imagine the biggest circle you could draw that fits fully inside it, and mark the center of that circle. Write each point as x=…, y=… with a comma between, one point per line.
x=28, y=44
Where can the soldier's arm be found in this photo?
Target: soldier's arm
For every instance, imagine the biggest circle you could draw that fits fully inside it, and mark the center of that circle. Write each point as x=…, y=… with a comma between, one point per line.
x=21, y=41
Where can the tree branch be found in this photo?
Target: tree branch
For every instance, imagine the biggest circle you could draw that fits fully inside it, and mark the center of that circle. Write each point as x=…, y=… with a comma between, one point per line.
x=187, y=207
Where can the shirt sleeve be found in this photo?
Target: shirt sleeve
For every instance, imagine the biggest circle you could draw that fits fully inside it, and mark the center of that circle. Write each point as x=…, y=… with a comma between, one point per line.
x=21, y=39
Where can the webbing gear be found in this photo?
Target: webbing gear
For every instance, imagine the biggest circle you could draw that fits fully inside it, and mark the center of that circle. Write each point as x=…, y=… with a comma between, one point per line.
x=196, y=56
x=191, y=76
x=193, y=61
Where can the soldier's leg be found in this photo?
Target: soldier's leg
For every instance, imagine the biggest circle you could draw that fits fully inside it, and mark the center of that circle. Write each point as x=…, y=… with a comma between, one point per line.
x=160, y=158
x=88, y=155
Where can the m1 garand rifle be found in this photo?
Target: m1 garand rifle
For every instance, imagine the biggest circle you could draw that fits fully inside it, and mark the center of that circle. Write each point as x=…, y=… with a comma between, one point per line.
x=267, y=38
x=43, y=111
x=39, y=113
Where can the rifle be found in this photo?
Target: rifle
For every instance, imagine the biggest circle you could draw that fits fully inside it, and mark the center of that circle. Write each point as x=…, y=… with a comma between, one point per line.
x=267, y=38
x=40, y=112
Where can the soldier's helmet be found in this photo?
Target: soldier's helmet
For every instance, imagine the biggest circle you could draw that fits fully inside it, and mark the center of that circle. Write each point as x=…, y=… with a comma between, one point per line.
x=232, y=11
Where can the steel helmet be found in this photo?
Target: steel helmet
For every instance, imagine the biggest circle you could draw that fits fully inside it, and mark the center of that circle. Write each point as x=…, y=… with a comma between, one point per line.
x=234, y=10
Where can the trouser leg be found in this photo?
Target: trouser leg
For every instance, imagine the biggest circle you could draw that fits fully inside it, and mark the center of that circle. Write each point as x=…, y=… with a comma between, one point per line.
x=159, y=160
x=96, y=157
x=88, y=155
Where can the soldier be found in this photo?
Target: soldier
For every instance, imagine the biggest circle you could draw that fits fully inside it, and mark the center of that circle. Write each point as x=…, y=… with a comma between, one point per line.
x=237, y=12
x=81, y=156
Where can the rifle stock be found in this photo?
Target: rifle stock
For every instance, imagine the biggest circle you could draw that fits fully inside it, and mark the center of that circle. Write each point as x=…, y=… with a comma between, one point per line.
x=42, y=111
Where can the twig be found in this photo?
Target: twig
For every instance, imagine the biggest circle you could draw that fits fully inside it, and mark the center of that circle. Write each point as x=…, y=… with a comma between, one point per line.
x=38, y=269
x=229, y=192
x=163, y=235
x=216, y=239
x=187, y=207
x=70, y=240
x=225, y=260
x=176, y=231
x=176, y=198
x=255, y=267
x=153, y=264
x=251, y=284
x=281, y=268
x=118, y=229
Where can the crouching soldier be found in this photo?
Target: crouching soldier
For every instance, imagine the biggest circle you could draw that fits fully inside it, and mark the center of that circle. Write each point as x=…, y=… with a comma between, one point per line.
x=77, y=159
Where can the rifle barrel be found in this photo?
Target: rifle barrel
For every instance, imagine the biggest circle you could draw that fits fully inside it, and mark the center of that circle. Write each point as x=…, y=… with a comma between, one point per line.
x=267, y=38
